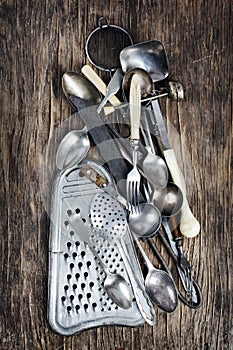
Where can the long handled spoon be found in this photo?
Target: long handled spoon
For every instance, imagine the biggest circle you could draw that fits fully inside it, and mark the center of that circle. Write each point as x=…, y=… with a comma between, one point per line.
x=159, y=285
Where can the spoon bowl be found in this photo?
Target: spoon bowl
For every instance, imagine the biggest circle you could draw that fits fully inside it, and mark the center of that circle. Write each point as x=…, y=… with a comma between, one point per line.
x=72, y=149
x=147, y=222
x=161, y=290
x=168, y=200
x=145, y=81
x=159, y=285
x=77, y=87
x=118, y=290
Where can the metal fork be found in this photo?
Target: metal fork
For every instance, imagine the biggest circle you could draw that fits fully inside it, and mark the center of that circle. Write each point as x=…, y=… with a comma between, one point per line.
x=134, y=177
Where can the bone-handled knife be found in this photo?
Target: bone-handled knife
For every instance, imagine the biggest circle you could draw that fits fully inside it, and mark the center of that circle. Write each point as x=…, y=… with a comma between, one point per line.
x=189, y=225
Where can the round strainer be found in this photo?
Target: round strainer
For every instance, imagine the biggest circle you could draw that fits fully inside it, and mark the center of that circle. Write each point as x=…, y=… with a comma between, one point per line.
x=104, y=45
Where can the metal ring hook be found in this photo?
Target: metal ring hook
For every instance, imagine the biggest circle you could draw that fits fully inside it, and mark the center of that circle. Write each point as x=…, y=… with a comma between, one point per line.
x=103, y=25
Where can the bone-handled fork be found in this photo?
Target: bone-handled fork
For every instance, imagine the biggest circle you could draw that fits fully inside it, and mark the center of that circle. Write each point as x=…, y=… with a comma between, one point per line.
x=134, y=177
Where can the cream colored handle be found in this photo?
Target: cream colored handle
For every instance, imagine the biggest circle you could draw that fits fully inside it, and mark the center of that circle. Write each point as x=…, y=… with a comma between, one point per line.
x=99, y=84
x=189, y=226
x=135, y=107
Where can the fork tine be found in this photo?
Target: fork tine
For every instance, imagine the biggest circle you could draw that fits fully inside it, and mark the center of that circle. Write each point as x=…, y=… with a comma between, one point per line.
x=136, y=196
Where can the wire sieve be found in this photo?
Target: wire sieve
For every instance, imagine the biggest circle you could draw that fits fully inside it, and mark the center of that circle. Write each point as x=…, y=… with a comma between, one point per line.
x=105, y=43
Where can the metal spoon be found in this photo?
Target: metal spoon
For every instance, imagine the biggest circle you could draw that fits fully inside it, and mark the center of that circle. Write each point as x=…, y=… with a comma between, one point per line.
x=147, y=222
x=72, y=149
x=76, y=86
x=115, y=285
x=159, y=285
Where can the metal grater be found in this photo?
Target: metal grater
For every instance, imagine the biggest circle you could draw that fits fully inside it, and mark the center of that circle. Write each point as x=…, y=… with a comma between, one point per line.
x=77, y=299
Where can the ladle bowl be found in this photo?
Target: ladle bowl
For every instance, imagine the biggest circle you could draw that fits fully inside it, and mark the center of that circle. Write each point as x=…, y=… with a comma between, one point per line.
x=147, y=222
x=168, y=200
x=145, y=81
x=148, y=55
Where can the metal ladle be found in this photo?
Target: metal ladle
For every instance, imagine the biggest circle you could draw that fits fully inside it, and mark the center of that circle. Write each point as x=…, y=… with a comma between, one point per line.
x=147, y=222
x=115, y=285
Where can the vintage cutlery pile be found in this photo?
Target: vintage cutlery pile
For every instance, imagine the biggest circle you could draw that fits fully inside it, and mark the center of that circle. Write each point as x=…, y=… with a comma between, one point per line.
x=135, y=190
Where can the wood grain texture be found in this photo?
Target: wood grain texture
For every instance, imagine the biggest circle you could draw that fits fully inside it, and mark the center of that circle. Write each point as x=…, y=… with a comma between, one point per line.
x=41, y=40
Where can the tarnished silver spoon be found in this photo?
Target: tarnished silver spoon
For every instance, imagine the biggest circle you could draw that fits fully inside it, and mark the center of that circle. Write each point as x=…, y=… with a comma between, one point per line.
x=72, y=149
x=159, y=285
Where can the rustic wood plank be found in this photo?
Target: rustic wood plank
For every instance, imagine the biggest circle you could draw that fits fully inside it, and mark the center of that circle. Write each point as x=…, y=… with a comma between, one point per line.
x=41, y=40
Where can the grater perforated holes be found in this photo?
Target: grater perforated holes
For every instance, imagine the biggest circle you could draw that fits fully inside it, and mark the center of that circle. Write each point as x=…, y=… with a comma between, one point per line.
x=77, y=275
x=69, y=245
x=66, y=223
x=85, y=275
x=77, y=210
x=77, y=307
x=75, y=255
x=75, y=286
x=80, y=264
x=83, y=253
x=72, y=233
x=63, y=299
x=69, y=308
x=69, y=276
x=71, y=297
x=66, y=256
x=77, y=243
x=69, y=212
x=88, y=295
x=71, y=266
x=91, y=284
x=66, y=287
x=83, y=285
x=88, y=263
x=80, y=296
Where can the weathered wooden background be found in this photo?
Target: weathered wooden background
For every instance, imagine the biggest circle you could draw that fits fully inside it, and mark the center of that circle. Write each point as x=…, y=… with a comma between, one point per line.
x=41, y=40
